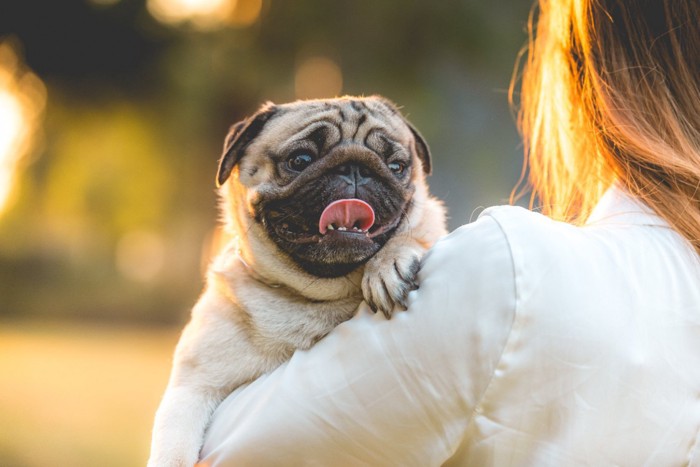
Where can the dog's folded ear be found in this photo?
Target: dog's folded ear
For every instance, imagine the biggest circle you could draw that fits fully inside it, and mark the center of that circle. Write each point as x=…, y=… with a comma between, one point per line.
x=239, y=137
x=421, y=147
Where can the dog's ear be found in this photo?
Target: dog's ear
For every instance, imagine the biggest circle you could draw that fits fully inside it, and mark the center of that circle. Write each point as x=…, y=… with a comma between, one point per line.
x=239, y=137
x=421, y=147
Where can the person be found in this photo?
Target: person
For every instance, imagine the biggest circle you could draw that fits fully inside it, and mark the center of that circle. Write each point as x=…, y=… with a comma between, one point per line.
x=567, y=337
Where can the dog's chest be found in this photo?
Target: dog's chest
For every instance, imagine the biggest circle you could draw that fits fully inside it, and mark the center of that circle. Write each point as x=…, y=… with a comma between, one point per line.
x=279, y=317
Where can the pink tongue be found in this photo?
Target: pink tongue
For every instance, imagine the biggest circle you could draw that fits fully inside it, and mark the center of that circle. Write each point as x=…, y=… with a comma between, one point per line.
x=347, y=213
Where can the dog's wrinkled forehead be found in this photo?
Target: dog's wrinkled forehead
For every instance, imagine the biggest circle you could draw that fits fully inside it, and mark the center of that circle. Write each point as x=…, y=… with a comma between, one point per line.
x=338, y=120
x=372, y=122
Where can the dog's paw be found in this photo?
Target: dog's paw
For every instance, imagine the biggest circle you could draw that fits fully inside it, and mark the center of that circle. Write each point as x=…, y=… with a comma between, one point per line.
x=389, y=277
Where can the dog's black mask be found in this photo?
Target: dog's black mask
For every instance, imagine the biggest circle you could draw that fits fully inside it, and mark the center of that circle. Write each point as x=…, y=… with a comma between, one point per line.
x=293, y=222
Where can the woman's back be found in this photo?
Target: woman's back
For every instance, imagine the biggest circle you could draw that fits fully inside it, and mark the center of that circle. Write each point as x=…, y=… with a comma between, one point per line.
x=602, y=365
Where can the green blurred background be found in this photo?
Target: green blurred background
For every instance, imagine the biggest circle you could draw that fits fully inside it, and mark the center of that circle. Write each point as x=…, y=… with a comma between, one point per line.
x=112, y=116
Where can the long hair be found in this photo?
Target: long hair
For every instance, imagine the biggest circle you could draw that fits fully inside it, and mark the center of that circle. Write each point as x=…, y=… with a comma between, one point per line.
x=610, y=92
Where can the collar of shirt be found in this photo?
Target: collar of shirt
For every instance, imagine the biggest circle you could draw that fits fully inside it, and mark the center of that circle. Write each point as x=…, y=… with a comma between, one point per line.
x=619, y=207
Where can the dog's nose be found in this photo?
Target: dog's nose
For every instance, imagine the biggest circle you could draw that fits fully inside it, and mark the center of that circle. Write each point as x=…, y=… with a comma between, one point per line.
x=354, y=174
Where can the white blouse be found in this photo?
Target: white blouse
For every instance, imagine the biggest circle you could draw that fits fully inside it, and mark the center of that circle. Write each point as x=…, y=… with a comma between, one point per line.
x=529, y=343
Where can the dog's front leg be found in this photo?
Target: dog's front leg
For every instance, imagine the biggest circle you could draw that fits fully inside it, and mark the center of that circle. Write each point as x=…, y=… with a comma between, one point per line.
x=179, y=426
x=390, y=275
x=214, y=356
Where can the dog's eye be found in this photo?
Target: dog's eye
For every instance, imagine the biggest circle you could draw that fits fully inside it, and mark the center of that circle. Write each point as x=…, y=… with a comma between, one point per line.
x=299, y=161
x=396, y=167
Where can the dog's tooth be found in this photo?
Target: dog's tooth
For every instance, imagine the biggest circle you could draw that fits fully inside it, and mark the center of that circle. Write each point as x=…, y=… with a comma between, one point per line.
x=342, y=228
x=330, y=227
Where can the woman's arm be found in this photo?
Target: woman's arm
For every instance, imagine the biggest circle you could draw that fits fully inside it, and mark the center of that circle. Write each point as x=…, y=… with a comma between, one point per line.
x=398, y=392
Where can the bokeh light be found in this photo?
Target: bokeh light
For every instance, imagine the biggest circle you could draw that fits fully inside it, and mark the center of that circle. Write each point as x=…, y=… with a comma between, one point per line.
x=318, y=77
x=205, y=14
x=10, y=131
x=22, y=100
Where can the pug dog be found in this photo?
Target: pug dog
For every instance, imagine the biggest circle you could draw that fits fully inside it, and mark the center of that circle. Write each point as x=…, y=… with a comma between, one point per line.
x=326, y=204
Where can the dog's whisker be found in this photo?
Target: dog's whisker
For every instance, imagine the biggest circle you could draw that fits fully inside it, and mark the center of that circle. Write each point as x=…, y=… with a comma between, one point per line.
x=354, y=285
x=309, y=285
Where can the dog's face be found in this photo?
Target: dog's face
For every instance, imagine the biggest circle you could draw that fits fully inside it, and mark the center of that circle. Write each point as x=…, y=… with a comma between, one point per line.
x=328, y=181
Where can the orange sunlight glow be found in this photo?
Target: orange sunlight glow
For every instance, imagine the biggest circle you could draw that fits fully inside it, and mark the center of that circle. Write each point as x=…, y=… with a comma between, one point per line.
x=22, y=100
x=206, y=14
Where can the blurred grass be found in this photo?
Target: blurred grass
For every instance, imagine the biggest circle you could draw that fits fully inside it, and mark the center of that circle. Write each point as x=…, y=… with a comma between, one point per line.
x=80, y=394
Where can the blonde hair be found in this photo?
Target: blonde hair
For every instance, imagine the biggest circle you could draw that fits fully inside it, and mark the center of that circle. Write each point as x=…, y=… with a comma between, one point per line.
x=610, y=91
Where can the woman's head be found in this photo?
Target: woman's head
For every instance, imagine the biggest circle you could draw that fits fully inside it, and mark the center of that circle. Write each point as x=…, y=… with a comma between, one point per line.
x=610, y=91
